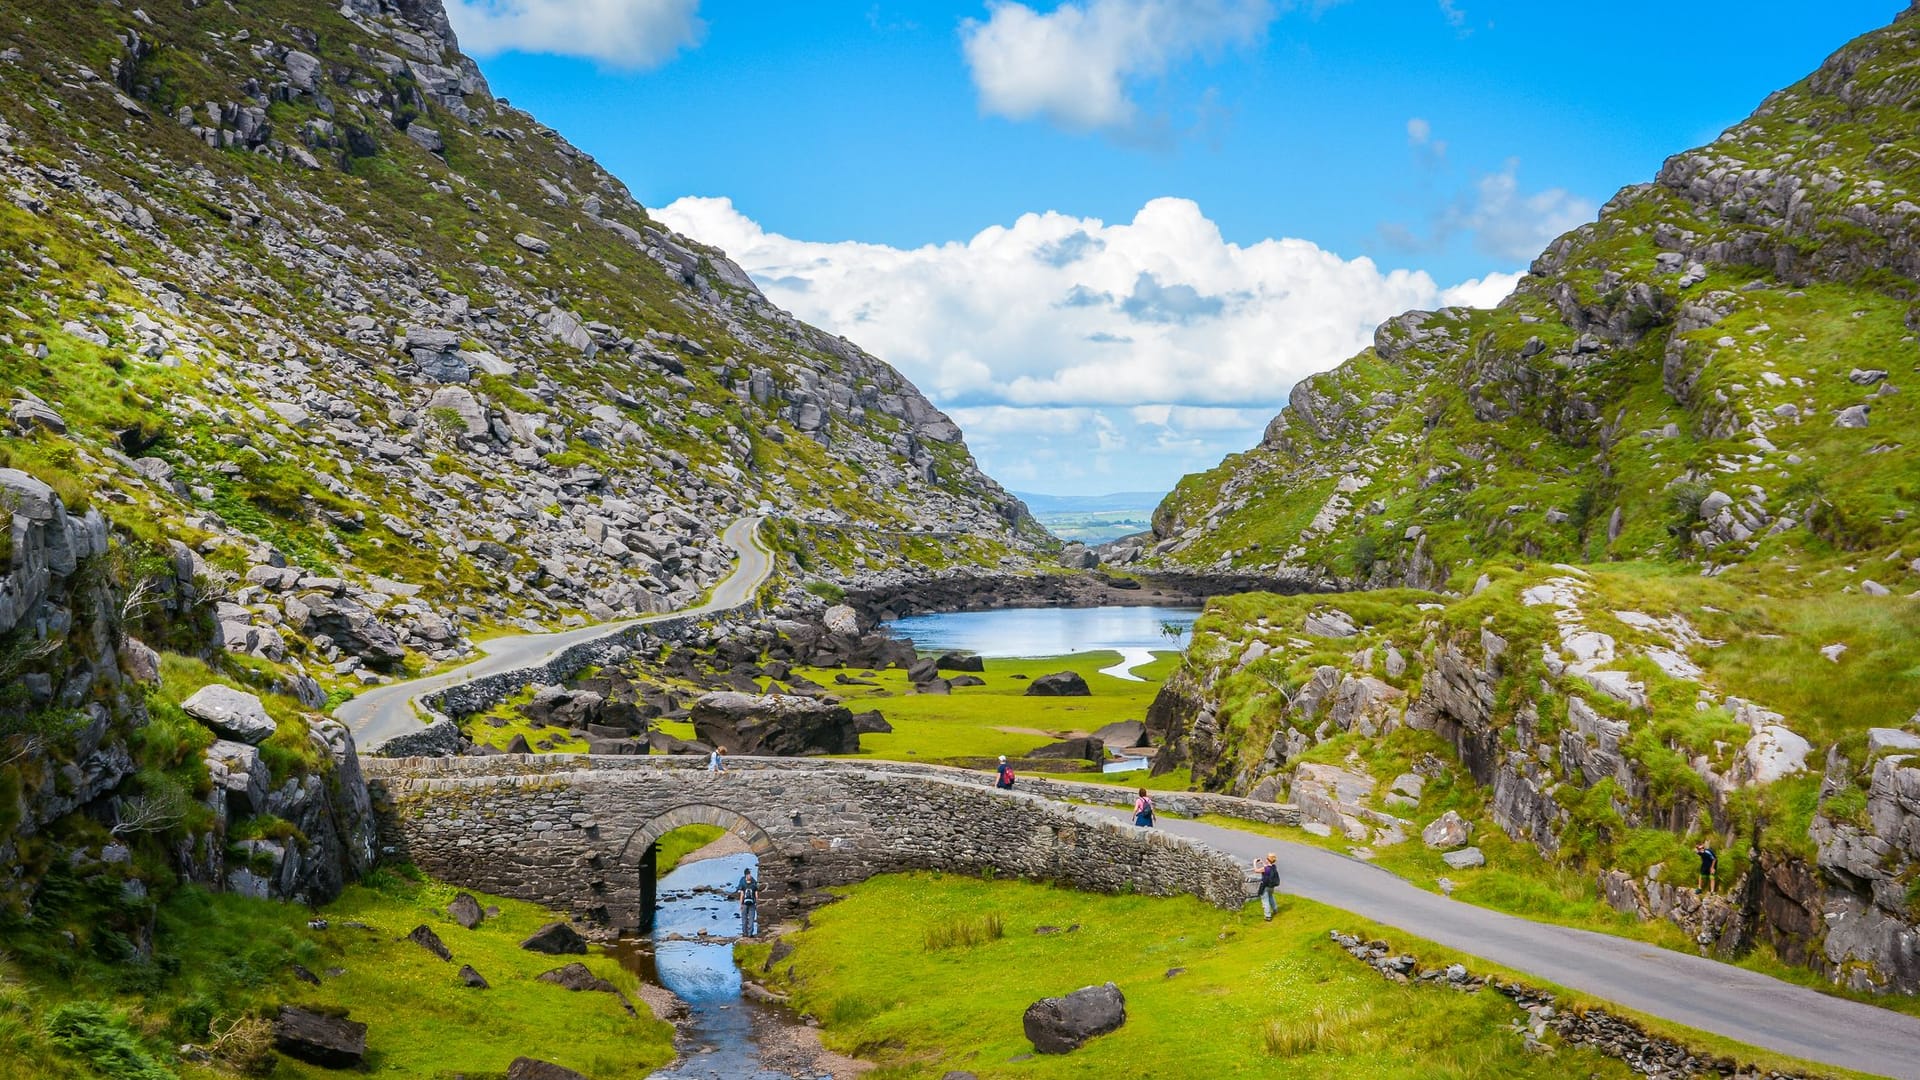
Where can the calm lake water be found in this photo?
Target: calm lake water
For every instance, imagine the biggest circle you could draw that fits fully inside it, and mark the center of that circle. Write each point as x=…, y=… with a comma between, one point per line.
x=1020, y=632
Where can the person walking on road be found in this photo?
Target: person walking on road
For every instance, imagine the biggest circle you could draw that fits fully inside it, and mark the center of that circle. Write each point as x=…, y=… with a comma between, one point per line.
x=749, y=891
x=1269, y=881
x=716, y=762
x=1143, y=810
x=1709, y=867
x=1005, y=779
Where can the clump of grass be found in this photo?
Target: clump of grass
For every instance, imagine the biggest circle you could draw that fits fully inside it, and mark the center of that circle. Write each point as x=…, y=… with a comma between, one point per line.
x=964, y=932
x=1325, y=1028
x=97, y=1036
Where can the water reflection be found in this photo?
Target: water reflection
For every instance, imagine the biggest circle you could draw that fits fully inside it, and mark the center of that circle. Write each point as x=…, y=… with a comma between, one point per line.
x=1046, y=631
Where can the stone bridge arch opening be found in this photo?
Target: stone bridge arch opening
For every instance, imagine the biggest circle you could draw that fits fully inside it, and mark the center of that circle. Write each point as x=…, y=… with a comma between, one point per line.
x=640, y=854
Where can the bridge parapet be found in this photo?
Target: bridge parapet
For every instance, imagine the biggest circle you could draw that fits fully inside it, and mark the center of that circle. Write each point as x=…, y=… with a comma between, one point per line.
x=572, y=831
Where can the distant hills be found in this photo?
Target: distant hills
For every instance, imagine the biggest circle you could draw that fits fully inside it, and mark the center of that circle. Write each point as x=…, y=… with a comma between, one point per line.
x=1094, y=519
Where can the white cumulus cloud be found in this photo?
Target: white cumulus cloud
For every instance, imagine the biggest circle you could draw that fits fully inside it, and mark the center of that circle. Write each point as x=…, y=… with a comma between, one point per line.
x=1065, y=344
x=1076, y=65
x=617, y=33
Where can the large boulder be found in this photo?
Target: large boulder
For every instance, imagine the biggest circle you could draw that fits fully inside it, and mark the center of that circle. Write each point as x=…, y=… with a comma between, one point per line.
x=354, y=629
x=1059, y=1025
x=1124, y=735
x=1059, y=684
x=777, y=725
x=556, y=939
x=1083, y=749
x=466, y=911
x=925, y=669
x=1449, y=830
x=332, y=1042
x=954, y=661
x=871, y=722
x=232, y=714
x=526, y=1068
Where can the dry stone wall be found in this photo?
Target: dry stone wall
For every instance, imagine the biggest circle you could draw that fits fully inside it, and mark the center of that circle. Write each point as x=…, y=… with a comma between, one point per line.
x=570, y=832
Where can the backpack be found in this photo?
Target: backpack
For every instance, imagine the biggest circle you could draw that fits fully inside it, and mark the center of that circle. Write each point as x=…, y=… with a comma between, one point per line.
x=1006, y=777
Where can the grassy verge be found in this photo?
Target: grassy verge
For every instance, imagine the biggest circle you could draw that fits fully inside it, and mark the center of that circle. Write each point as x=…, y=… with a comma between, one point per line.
x=220, y=962
x=892, y=978
x=998, y=718
x=682, y=842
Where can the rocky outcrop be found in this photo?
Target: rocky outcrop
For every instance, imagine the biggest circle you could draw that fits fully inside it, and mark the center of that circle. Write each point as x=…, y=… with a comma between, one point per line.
x=774, y=725
x=332, y=1042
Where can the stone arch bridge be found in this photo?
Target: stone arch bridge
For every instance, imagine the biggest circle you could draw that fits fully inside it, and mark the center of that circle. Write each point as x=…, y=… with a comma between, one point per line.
x=576, y=833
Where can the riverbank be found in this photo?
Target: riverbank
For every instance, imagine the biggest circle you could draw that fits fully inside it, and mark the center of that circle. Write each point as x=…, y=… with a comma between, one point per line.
x=894, y=596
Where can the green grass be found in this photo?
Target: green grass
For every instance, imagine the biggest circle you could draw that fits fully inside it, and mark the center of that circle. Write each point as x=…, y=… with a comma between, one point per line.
x=985, y=721
x=1253, y=999
x=682, y=842
x=218, y=959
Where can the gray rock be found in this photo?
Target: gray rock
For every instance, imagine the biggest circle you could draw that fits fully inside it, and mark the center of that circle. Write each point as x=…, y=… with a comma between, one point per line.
x=1866, y=377
x=1449, y=830
x=1714, y=503
x=29, y=415
x=841, y=619
x=1853, y=416
x=465, y=910
x=332, y=1042
x=960, y=662
x=236, y=769
x=532, y=243
x=427, y=138
x=526, y=1068
x=1874, y=588
x=1880, y=740
x=1059, y=1025
x=1123, y=735
x=303, y=71
x=556, y=939
x=424, y=937
x=472, y=979
x=1332, y=623
x=1059, y=684
x=1465, y=858
x=232, y=714
x=780, y=725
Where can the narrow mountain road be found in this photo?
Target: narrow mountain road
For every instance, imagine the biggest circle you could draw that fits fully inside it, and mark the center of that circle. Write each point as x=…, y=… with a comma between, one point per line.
x=387, y=711
x=1742, y=1005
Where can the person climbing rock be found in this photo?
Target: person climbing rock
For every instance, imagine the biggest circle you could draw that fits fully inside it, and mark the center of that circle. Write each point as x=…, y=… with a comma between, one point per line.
x=1269, y=881
x=1709, y=867
x=1005, y=779
x=1143, y=810
x=749, y=892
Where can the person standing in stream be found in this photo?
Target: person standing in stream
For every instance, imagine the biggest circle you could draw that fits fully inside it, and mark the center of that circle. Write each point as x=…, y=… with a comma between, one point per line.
x=749, y=891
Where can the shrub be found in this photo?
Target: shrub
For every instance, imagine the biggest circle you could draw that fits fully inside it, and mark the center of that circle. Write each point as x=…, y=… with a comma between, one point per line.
x=101, y=1039
x=826, y=590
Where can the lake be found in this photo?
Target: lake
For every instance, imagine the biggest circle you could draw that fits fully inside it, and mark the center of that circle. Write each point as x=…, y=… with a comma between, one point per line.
x=1133, y=632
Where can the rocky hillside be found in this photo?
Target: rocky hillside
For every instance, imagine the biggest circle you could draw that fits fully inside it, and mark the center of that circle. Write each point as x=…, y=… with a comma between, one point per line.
x=388, y=361
x=1630, y=560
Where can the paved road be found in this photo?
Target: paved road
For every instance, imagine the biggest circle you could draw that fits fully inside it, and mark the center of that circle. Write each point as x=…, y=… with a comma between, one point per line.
x=384, y=712
x=1742, y=1005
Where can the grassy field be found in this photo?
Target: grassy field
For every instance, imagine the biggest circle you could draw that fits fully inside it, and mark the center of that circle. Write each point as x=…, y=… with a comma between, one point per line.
x=681, y=843
x=890, y=974
x=984, y=721
x=89, y=1011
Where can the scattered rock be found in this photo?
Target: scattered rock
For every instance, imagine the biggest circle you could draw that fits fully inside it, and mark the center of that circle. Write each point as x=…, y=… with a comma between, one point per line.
x=1853, y=416
x=232, y=714
x=960, y=662
x=1059, y=684
x=778, y=725
x=472, y=979
x=526, y=1068
x=424, y=937
x=1449, y=830
x=1059, y=1025
x=532, y=243
x=465, y=910
x=1880, y=740
x=1465, y=858
x=332, y=1042
x=1832, y=652
x=556, y=939
x=871, y=722
x=1332, y=623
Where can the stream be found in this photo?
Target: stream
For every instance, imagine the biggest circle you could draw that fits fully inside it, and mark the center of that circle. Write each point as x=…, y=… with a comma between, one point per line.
x=721, y=1037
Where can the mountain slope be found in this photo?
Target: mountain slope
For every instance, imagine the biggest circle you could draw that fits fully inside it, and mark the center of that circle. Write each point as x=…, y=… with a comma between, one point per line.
x=287, y=286
x=1633, y=556
x=1743, y=325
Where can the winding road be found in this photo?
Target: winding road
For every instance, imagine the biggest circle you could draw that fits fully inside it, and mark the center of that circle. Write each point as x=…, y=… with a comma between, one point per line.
x=1742, y=1005
x=384, y=712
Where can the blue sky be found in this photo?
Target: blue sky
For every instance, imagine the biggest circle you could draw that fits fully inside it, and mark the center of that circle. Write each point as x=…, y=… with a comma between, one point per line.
x=1109, y=235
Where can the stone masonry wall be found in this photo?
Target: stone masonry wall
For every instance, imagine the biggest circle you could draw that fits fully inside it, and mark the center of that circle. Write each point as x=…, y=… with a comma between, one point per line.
x=569, y=831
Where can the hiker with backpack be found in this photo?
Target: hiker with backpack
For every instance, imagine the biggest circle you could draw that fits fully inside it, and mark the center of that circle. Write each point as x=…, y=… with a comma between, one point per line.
x=1143, y=810
x=1005, y=780
x=1269, y=881
x=749, y=893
